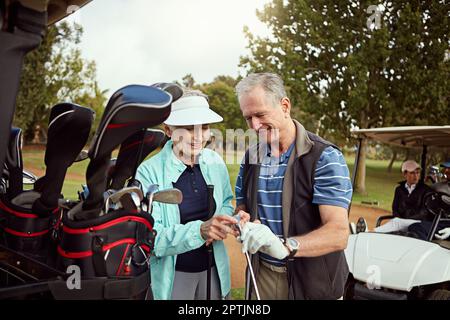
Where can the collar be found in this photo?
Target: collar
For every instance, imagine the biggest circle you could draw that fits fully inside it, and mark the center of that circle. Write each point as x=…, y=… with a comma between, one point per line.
x=174, y=167
x=303, y=144
x=282, y=156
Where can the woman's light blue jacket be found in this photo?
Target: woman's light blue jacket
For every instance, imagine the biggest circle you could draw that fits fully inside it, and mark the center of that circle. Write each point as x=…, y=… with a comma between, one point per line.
x=174, y=238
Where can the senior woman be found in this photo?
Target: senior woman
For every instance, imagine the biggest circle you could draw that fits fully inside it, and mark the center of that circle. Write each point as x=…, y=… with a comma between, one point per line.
x=180, y=261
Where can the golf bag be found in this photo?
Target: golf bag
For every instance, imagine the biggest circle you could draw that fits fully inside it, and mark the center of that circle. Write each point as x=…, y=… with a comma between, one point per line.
x=24, y=231
x=112, y=249
x=116, y=246
x=29, y=220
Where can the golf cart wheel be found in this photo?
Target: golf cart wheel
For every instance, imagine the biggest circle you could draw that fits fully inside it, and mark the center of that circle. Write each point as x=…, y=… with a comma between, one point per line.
x=439, y=294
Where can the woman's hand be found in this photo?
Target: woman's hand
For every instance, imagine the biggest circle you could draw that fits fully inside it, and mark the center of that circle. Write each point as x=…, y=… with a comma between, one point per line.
x=217, y=228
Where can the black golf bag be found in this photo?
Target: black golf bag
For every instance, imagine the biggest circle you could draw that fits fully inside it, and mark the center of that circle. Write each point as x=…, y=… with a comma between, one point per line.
x=112, y=249
x=29, y=219
x=24, y=231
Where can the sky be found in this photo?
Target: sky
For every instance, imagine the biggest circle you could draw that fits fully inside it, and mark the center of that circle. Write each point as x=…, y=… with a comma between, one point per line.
x=147, y=41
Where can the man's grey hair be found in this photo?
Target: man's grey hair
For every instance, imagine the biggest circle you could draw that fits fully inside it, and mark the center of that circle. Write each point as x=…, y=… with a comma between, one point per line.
x=271, y=83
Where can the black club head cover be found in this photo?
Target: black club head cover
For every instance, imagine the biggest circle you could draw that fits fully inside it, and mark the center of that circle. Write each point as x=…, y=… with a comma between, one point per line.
x=128, y=111
x=132, y=152
x=68, y=131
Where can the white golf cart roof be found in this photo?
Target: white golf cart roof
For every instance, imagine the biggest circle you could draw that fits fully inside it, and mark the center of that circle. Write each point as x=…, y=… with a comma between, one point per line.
x=409, y=137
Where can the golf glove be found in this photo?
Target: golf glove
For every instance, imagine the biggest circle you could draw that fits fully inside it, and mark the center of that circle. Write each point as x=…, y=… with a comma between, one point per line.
x=443, y=234
x=258, y=237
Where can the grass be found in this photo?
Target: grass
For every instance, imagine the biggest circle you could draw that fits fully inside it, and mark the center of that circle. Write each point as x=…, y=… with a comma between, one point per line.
x=380, y=184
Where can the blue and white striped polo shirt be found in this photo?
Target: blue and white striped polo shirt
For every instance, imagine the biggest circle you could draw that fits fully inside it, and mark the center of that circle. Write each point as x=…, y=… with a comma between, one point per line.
x=332, y=187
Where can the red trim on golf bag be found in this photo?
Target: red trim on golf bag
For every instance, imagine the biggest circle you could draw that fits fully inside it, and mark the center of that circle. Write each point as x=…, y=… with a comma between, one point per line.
x=89, y=253
x=17, y=213
x=25, y=232
x=25, y=235
x=115, y=244
x=107, y=225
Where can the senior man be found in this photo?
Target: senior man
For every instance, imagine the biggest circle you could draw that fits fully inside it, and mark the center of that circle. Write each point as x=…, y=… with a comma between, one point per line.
x=296, y=188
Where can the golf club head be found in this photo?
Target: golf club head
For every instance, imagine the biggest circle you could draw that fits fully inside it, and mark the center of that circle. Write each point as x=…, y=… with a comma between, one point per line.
x=28, y=178
x=132, y=152
x=172, y=196
x=2, y=186
x=115, y=197
x=83, y=155
x=129, y=110
x=174, y=89
x=68, y=131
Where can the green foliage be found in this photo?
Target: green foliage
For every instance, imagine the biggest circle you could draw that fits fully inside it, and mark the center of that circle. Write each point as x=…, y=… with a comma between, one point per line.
x=223, y=100
x=343, y=72
x=55, y=72
x=357, y=63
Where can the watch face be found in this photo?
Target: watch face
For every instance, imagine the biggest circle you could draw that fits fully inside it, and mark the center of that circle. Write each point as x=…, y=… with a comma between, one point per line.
x=293, y=243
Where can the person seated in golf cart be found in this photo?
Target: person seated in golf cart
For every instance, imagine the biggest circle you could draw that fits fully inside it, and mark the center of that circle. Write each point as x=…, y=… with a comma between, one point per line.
x=422, y=228
x=408, y=204
x=181, y=258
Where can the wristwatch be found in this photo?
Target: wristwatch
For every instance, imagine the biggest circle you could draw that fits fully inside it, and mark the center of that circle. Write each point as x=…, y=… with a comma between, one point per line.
x=293, y=245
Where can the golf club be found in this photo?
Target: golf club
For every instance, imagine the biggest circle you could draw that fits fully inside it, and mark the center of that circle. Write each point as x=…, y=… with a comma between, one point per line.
x=172, y=196
x=149, y=197
x=247, y=256
x=210, y=190
x=115, y=198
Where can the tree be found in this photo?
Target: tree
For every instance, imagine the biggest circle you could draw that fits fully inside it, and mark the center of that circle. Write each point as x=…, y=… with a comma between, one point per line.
x=188, y=81
x=348, y=64
x=53, y=73
x=223, y=100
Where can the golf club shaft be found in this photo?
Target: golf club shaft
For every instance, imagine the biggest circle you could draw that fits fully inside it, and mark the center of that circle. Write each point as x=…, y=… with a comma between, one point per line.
x=210, y=189
x=252, y=274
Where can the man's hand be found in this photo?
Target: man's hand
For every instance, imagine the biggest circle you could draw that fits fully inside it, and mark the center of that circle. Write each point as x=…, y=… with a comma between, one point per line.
x=443, y=234
x=217, y=228
x=243, y=217
x=258, y=237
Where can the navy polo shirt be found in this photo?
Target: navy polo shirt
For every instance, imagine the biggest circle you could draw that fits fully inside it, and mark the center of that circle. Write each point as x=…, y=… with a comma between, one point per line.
x=193, y=207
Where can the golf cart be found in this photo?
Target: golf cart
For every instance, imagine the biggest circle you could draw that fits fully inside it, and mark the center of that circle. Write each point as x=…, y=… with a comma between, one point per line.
x=387, y=266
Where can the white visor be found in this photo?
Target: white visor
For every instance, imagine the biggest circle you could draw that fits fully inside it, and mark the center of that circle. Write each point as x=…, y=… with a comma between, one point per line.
x=191, y=110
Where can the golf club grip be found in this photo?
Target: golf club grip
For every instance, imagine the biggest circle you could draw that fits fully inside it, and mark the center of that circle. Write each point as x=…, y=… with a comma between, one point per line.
x=210, y=189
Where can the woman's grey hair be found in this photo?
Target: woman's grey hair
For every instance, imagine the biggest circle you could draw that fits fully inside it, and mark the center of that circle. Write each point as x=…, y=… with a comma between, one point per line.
x=271, y=83
x=188, y=92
